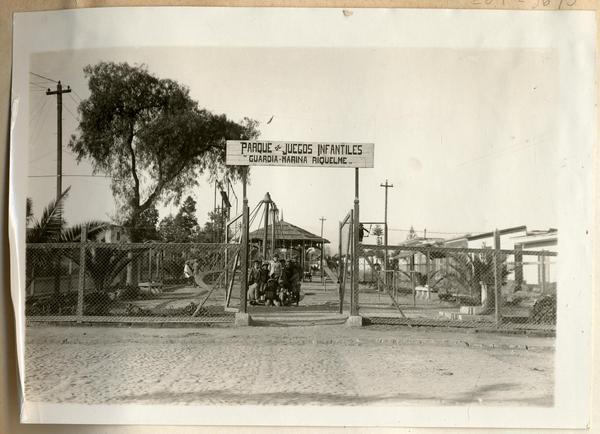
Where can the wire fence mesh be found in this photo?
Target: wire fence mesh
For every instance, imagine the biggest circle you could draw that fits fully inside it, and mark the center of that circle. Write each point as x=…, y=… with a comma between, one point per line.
x=462, y=287
x=128, y=280
x=94, y=281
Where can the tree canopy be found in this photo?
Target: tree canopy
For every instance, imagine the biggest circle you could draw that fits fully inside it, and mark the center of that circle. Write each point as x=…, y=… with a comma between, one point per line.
x=146, y=228
x=183, y=227
x=149, y=136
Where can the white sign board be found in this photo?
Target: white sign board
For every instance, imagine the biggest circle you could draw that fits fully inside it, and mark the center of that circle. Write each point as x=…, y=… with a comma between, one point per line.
x=301, y=154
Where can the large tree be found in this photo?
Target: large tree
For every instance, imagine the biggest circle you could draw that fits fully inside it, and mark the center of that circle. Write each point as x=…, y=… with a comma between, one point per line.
x=150, y=136
x=146, y=228
x=182, y=228
x=215, y=226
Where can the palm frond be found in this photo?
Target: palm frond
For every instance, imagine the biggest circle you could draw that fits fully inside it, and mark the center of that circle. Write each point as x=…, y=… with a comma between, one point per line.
x=94, y=227
x=49, y=227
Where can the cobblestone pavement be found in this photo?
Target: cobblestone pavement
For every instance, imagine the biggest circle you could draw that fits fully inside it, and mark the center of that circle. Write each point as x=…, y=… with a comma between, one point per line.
x=286, y=365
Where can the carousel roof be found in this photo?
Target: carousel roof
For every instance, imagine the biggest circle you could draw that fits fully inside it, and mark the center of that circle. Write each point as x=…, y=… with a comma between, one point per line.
x=287, y=231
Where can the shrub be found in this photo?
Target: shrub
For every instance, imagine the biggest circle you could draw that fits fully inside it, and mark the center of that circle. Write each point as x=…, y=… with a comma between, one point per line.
x=97, y=303
x=544, y=310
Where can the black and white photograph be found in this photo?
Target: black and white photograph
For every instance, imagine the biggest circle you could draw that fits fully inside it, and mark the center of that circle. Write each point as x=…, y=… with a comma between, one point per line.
x=303, y=217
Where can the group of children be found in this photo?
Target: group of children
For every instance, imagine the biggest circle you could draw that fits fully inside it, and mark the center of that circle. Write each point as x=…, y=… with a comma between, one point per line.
x=274, y=283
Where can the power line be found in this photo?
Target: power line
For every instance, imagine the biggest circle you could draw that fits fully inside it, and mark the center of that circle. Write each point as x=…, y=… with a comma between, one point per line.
x=41, y=76
x=77, y=95
x=70, y=176
x=38, y=85
x=70, y=95
x=36, y=111
x=43, y=156
x=42, y=115
x=76, y=118
x=439, y=232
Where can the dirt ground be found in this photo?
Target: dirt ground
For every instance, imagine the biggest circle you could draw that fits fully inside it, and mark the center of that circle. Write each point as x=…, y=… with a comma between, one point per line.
x=286, y=365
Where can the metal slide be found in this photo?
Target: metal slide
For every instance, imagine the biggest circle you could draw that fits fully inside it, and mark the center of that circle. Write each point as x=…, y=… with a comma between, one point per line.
x=330, y=273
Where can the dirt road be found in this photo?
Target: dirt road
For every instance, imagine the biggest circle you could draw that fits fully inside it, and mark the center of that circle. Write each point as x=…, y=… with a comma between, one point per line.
x=286, y=365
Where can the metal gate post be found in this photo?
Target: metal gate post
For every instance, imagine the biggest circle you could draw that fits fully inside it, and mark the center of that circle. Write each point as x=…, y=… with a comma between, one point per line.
x=355, y=319
x=341, y=270
x=242, y=318
x=497, y=277
x=81, y=282
x=351, y=246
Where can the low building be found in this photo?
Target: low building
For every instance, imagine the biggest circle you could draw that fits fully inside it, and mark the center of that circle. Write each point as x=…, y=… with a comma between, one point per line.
x=539, y=270
x=460, y=241
x=113, y=234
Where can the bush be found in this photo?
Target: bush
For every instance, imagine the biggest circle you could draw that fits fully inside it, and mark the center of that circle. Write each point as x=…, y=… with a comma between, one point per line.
x=64, y=304
x=544, y=310
x=96, y=303
x=129, y=292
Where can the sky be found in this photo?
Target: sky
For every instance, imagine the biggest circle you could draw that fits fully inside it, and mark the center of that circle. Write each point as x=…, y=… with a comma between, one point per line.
x=467, y=137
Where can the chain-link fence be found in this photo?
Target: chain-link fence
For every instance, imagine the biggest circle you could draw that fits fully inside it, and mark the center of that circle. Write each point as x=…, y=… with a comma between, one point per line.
x=94, y=281
x=459, y=287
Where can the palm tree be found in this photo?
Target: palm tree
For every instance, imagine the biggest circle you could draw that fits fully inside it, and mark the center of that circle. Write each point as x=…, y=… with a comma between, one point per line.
x=473, y=271
x=50, y=228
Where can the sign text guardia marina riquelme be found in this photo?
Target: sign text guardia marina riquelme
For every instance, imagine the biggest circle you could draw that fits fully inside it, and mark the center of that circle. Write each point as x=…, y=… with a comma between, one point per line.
x=300, y=154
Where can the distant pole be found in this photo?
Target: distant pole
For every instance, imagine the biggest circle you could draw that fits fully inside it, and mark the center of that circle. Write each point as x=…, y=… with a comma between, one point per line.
x=58, y=92
x=385, y=234
x=322, y=246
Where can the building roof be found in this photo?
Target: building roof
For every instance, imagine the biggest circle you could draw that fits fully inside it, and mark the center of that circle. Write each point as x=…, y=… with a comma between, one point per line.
x=287, y=231
x=501, y=232
x=538, y=236
x=457, y=238
x=422, y=241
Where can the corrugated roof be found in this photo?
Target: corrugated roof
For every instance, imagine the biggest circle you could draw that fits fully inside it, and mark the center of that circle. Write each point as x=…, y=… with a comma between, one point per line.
x=286, y=231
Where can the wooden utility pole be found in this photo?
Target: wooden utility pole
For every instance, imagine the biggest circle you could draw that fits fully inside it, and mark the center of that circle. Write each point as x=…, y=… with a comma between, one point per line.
x=322, y=246
x=58, y=92
x=385, y=233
